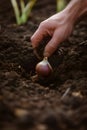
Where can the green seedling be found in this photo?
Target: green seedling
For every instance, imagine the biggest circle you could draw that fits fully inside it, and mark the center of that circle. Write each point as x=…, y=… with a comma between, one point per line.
x=24, y=12
x=61, y=5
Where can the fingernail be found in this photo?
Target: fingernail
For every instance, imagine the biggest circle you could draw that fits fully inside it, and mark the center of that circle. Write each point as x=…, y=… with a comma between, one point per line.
x=46, y=54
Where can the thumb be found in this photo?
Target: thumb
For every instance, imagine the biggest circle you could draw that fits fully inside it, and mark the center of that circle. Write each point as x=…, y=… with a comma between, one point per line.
x=53, y=44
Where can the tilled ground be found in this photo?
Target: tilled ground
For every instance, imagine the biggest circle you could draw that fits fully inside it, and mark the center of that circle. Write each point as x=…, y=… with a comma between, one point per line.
x=59, y=102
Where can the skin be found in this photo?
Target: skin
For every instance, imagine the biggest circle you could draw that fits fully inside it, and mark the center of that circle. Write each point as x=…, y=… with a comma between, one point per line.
x=59, y=26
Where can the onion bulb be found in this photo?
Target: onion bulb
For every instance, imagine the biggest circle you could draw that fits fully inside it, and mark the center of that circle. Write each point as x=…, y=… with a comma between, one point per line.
x=43, y=68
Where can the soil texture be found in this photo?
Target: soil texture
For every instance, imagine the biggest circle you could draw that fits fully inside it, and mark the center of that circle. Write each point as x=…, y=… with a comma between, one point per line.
x=55, y=103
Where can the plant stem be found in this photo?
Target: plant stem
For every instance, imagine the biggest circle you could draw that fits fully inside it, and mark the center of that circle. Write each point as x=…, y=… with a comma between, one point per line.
x=27, y=10
x=61, y=5
x=22, y=4
x=16, y=10
x=23, y=14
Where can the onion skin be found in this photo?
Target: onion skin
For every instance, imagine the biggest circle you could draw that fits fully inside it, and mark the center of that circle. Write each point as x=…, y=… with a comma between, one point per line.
x=43, y=68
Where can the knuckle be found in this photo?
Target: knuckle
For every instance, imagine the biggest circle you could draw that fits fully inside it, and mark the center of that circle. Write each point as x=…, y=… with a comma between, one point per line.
x=42, y=24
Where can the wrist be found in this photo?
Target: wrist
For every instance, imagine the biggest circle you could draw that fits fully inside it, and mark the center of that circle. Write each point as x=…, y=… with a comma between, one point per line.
x=75, y=9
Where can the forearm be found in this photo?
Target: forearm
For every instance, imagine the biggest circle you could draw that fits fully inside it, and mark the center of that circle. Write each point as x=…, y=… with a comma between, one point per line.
x=76, y=9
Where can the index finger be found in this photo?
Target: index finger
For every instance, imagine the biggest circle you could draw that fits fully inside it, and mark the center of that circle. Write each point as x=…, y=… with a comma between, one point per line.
x=38, y=36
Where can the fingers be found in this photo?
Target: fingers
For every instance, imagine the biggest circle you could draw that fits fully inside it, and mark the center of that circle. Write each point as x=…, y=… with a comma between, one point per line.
x=53, y=44
x=38, y=36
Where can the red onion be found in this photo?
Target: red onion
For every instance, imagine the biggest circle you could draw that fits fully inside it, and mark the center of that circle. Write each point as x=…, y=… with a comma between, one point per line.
x=43, y=68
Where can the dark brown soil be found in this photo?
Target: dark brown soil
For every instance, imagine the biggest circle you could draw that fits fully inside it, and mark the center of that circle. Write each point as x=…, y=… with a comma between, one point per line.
x=56, y=103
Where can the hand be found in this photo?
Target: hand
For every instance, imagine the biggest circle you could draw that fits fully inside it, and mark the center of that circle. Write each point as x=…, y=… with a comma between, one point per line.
x=59, y=27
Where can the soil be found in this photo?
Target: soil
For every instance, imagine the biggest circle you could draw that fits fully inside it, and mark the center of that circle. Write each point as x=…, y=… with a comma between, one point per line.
x=55, y=103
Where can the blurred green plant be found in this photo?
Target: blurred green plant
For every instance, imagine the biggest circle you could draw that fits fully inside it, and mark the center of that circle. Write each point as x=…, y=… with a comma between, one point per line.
x=24, y=11
x=61, y=5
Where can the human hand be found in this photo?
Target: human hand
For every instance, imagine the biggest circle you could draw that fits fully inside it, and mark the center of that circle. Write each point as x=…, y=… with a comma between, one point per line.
x=59, y=27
